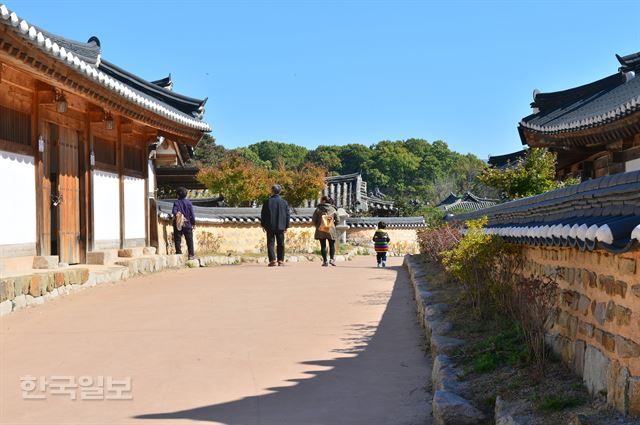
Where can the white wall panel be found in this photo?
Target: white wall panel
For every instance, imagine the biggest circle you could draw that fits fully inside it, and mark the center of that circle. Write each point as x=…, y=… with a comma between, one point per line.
x=134, y=202
x=106, y=206
x=18, y=211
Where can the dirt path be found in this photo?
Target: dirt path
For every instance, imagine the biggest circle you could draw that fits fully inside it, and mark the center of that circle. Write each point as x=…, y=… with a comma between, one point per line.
x=239, y=345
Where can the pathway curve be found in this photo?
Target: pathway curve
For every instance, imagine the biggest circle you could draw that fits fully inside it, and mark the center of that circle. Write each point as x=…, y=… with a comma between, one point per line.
x=236, y=345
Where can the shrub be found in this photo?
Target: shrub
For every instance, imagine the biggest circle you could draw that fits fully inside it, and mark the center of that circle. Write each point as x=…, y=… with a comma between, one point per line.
x=433, y=241
x=471, y=263
x=556, y=402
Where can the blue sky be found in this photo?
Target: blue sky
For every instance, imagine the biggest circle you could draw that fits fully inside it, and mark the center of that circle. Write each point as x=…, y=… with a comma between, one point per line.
x=336, y=72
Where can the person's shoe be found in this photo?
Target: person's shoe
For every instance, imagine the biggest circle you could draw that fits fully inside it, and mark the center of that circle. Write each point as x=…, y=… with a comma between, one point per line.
x=272, y=264
x=191, y=257
x=280, y=263
x=332, y=262
x=379, y=265
x=325, y=264
x=384, y=264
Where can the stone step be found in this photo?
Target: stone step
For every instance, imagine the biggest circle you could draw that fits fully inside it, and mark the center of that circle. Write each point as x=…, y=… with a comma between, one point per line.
x=9, y=265
x=131, y=252
x=102, y=257
x=46, y=262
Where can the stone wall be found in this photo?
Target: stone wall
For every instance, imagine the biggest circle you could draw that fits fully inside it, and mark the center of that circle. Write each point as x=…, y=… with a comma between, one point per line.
x=597, y=329
x=242, y=239
x=403, y=241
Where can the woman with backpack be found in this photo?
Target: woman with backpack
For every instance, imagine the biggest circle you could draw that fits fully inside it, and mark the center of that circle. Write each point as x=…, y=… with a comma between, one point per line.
x=324, y=220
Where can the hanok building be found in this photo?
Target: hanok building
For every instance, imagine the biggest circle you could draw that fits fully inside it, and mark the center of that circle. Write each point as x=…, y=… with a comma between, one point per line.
x=465, y=203
x=75, y=136
x=593, y=128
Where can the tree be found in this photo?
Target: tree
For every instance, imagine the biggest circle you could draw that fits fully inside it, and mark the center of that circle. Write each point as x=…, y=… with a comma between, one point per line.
x=327, y=157
x=240, y=181
x=207, y=152
x=292, y=155
x=531, y=176
x=299, y=184
x=354, y=158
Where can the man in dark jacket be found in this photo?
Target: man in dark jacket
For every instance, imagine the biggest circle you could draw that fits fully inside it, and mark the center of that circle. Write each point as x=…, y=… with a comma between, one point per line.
x=275, y=221
x=183, y=223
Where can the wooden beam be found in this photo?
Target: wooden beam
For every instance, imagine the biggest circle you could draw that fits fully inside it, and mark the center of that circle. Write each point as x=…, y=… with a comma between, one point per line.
x=37, y=157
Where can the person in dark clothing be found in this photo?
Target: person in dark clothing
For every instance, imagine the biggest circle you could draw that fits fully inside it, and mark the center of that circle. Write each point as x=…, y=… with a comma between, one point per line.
x=275, y=219
x=324, y=219
x=184, y=220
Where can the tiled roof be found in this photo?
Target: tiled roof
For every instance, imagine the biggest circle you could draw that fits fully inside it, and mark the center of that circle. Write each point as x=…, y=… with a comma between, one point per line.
x=391, y=222
x=298, y=215
x=506, y=160
x=466, y=202
x=591, y=105
x=602, y=213
x=85, y=59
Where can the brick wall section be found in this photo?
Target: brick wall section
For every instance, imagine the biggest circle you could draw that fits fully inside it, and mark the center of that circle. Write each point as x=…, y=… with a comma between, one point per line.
x=597, y=329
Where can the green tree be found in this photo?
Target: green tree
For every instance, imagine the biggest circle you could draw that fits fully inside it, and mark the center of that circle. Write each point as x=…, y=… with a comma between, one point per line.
x=534, y=175
x=208, y=152
x=327, y=157
x=273, y=152
x=355, y=158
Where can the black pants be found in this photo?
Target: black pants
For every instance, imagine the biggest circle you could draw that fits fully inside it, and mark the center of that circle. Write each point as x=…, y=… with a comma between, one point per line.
x=381, y=256
x=177, y=239
x=323, y=249
x=272, y=238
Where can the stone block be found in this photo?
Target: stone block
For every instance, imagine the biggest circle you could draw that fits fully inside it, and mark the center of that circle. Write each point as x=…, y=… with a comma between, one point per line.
x=130, y=252
x=625, y=348
x=605, y=281
x=7, y=289
x=634, y=396
x=31, y=300
x=622, y=315
x=589, y=279
x=22, y=285
x=617, y=387
x=585, y=329
x=438, y=327
x=48, y=280
x=626, y=265
x=609, y=342
x=149, y=250
x=573, y=326
x=46, y=262
x=131, y=265
x=583, y=304
x=445, y=375
x=59, y=279
x=100, y=257
x=451, y=409
x=599, y=312
x=635, y=290
x=35, y=288
x=563, y=319
x=596, y=370
x=619, y=289
x=193, y=264
x=444, y=344
x=6, y=307
x=579, y=347
x=20, y=302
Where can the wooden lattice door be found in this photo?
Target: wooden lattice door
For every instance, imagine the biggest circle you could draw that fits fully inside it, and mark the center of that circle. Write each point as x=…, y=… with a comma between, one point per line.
x=68, y=193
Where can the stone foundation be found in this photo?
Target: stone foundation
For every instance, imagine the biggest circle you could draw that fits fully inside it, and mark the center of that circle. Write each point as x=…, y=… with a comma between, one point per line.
x=597, y=329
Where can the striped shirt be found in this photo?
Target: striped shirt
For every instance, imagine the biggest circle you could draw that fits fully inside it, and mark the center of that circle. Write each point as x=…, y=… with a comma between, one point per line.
x=381, y=241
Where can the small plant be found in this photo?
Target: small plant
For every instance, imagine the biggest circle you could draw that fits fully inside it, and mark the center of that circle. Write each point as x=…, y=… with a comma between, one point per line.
x=433, y=241
x=557, y=402
x=208, y=243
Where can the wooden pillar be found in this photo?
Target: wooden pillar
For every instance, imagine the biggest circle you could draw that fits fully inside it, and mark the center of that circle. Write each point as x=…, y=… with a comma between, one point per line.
x=37, y=161
x=147, y=218
x=120, y=166
x=87, y=196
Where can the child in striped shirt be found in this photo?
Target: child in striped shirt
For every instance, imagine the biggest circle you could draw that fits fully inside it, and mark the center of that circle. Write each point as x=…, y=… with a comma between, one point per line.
x=381, y=244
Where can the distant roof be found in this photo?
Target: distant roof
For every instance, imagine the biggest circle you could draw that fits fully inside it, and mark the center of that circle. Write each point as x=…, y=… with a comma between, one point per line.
x=502, y=161
x=85, y=58
x=466, y=202
x=591, y=105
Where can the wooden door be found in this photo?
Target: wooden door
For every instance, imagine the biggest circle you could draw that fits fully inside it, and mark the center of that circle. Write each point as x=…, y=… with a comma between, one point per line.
x=69, y=195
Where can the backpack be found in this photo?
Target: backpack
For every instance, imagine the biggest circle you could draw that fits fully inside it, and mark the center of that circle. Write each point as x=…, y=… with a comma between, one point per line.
x=179, y=220
x=326, y=223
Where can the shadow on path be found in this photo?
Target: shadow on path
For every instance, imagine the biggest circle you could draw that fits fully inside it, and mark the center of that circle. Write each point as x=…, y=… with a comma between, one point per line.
x=382, y=383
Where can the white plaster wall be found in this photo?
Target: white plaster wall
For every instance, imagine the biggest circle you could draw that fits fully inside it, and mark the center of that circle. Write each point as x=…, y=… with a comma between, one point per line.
x=632, y=165
x=134, y=201
x=106, y=206
x=152, y=177
x=18, y=213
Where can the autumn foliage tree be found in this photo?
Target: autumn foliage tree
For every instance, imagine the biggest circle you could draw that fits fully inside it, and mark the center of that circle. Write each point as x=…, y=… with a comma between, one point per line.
x=301, y=183
x=239, y=180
